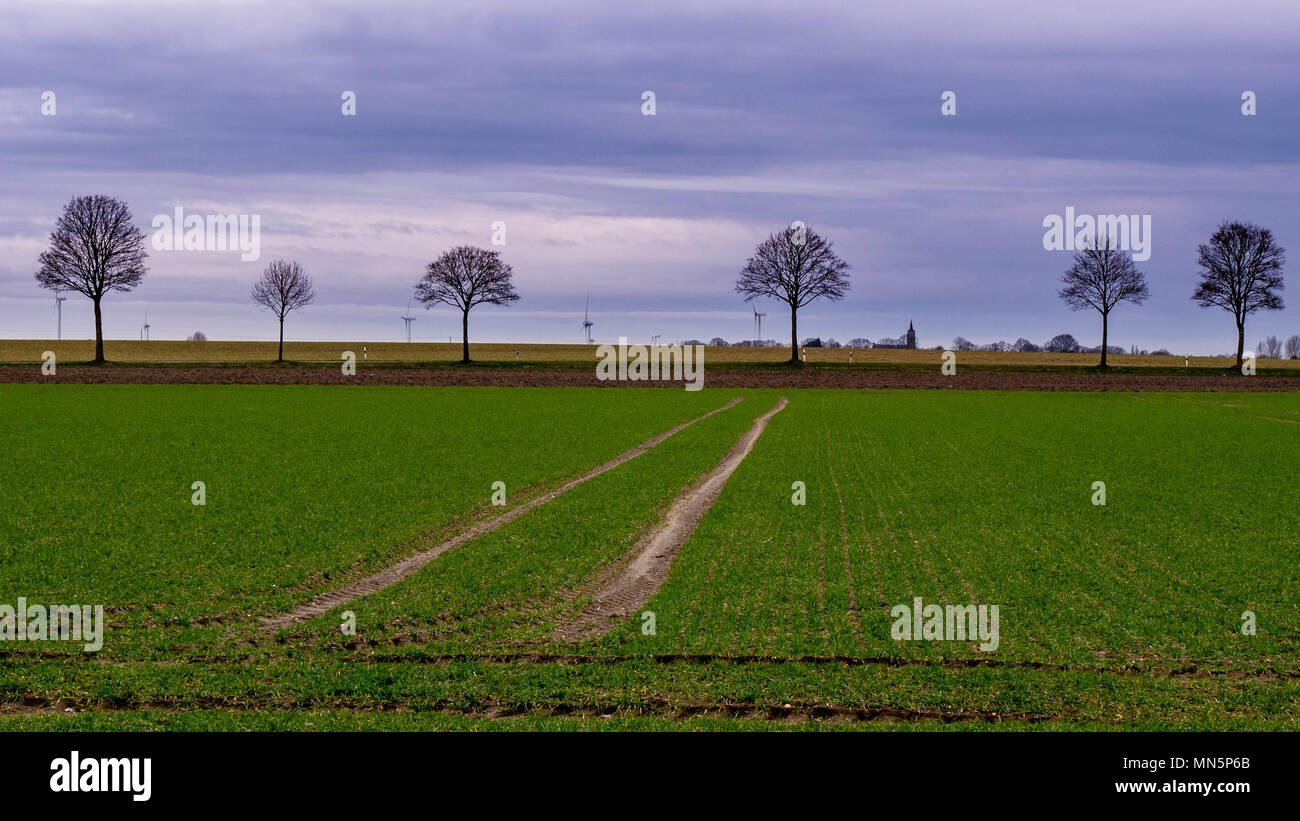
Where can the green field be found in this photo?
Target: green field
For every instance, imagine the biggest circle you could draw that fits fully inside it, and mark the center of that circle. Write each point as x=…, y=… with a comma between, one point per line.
x=775, y=615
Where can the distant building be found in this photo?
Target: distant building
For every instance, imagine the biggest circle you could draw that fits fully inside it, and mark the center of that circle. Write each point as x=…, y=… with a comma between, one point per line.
x=908, y=341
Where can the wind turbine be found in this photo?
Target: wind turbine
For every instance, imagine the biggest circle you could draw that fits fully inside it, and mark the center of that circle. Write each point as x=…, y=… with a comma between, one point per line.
x=587, y=324
x=144, y=332
x=758, y=327
x=408, y=319
x=59, y=299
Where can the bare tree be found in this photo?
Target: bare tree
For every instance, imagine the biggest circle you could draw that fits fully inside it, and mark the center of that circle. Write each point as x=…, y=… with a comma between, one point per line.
x=464, y=277
x=284, y=287
x=961, y=343
x=94, y=249
x=1293, y=347
x=795, y=266
x=1270, y=348
x=1102, y=277
x=1241, y=272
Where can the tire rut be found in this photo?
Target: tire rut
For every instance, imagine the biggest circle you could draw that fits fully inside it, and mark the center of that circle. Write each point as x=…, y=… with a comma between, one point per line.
x=325, y=602
x=654, y=554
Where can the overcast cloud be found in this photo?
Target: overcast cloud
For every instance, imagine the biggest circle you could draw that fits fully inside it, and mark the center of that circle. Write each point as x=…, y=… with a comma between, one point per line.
x=766, y=113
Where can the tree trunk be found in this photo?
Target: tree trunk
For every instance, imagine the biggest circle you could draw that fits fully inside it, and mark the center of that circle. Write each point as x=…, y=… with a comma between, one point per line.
x=464, y=336
x=1104, y=328
x=99, y=333
x=280, y=357
x=794, y=337
x=1241, y=341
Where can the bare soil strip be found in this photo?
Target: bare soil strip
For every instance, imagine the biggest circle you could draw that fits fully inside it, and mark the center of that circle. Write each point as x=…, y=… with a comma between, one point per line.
x=716, y=376
x=654, y=553
x=1126, y=665
x=391, y=575
x=653, y=708
x=1275, y=419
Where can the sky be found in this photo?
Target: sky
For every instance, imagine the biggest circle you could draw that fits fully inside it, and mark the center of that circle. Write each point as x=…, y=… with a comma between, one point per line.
x=531, y=115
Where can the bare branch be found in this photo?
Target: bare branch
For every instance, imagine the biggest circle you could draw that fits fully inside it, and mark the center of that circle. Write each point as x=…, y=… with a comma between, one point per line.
x=94, y=248
x=283, y=287
x=794, y=272
x=464, y=277
x=1101, y=277
x=1241, y=272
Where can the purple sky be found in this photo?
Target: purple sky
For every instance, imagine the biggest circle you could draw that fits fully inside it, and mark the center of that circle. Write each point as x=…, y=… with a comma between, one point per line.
x=530, y=114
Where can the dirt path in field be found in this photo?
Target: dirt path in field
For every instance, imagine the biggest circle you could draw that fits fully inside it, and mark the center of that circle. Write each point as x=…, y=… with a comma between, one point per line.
x=393, y=574
x=653, y=555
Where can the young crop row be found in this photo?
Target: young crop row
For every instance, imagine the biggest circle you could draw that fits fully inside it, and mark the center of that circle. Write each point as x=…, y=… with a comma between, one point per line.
x=300, y=485
x=1123, y=614
x=976, y=498
x=985, y=498
x=511, y=587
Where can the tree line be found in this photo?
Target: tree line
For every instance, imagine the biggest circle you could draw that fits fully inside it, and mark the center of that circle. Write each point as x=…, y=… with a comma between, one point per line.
x=95, y=248
x=1240, y=271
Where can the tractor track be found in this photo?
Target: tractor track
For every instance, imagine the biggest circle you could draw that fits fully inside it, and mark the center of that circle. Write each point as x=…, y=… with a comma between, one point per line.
x=653, y=554
x=325, y=602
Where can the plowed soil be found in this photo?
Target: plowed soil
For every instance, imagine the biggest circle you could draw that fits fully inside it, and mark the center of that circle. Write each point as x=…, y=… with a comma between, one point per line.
x=718, y=377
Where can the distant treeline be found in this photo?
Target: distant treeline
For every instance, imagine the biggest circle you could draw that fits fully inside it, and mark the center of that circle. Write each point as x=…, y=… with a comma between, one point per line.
x=1268, y=348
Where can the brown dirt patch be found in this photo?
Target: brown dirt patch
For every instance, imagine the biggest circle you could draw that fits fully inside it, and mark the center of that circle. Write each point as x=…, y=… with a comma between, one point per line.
x=651, y=707
x=715, y=377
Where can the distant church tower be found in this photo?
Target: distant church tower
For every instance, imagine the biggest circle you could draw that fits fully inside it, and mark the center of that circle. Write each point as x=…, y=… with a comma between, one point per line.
x=907, y=340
